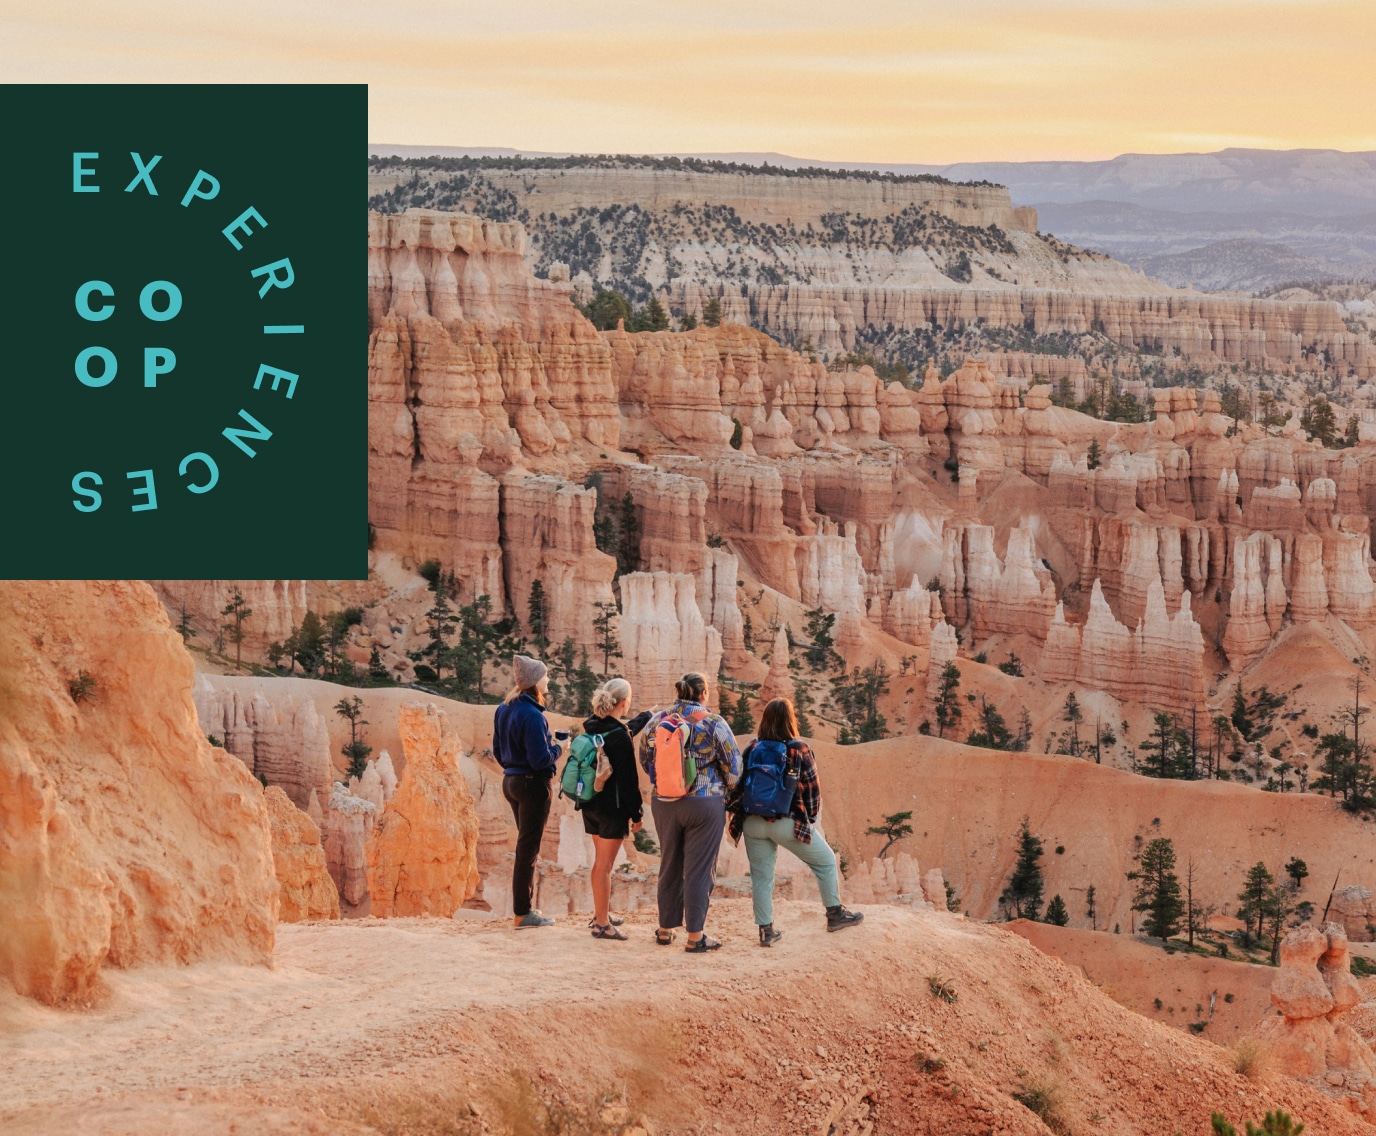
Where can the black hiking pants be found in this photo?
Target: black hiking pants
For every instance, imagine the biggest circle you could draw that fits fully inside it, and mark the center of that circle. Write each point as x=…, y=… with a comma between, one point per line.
x=528, y=796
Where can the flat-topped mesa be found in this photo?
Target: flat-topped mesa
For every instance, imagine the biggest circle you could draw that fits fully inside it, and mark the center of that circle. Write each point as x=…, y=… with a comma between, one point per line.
x=663, y=634
x=1160, y=665
x=757, y=197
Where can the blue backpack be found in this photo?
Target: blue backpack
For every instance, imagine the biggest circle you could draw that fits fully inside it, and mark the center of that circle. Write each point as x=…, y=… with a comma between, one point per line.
x=769, y=782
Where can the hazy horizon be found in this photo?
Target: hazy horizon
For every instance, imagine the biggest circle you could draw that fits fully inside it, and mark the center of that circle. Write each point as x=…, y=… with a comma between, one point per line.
x=889, y=82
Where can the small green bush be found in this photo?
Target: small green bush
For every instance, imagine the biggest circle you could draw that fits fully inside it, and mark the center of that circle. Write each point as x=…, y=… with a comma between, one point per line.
x=82, y=688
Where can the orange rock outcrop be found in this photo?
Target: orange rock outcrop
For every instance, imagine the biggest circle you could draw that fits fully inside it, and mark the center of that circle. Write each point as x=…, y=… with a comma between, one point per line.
x=422, y=856
x=124, y=836
x=1313, y=989
x=304, y=887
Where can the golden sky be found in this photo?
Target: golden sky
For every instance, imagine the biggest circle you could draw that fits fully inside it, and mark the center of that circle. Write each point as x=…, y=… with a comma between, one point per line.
x=929, y=81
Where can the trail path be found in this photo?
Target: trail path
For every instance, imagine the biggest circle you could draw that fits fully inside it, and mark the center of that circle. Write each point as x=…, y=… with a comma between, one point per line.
x=413, y=1026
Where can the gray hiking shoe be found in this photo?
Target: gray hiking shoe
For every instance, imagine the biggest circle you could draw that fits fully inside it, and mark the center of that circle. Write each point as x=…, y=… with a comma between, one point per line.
x=838, y=918
x=533, y=919
x=769, y=936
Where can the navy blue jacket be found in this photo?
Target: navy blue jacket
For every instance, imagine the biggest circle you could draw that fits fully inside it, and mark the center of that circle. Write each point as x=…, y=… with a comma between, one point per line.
x=521, y=740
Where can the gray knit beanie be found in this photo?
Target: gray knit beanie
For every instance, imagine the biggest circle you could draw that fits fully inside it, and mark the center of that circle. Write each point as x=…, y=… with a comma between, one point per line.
x=528, y=672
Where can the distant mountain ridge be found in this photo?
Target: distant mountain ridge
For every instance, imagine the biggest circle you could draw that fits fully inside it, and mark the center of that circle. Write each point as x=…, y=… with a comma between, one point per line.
x=1237, y=219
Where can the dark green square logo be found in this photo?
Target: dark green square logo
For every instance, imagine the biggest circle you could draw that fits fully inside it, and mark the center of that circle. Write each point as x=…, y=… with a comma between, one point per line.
x=185, y=388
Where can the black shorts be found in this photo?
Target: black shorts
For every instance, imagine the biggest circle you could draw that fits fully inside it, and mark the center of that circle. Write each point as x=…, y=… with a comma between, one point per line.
x=606, y=823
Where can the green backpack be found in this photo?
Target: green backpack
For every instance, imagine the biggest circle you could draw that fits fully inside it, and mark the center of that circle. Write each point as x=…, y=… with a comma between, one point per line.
x=580, y=770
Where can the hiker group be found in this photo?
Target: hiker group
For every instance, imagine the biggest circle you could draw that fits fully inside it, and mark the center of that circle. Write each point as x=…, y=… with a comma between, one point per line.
x=698, y=780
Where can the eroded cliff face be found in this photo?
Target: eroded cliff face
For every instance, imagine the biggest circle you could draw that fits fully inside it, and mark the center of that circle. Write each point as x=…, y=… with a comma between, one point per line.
x=961, y=515
x=124, y=836
x=846, y=261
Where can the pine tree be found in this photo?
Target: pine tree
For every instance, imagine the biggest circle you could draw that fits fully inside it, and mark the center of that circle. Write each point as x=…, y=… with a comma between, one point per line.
x=583, y=685
x=1023, y=895
x=653, y=317
x=1074, y=715
x=539, y=615
x=1297, y=870
x=894, y=829
x=238, y=610
x=1056, y=912
x=309, y=648
x=1158, y=889
x=1255, y=897
x=711, y=313
x=819, y=624
x=1196, y=912
x=1094, y=456
x=356, y=750
x=742, y=721
x=604, y=628
x=1170, y=749
x=992, y=732
x=628, y=536
x=442, y=622
x=1091, y=912
x=184, y=628
x=377, y=673
x=945, y=706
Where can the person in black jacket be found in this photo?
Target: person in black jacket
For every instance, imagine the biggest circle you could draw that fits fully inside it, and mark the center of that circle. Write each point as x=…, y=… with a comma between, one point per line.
x=616, y=810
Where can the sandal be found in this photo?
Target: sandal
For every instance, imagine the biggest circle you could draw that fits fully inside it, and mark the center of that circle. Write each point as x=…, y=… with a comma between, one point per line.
x=608, y=932
x=613, y=920
x=702, y=946
x=664, y=938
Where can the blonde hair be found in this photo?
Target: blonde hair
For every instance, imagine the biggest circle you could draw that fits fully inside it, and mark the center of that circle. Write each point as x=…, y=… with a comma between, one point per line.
x=534, y=691
x=609, y=696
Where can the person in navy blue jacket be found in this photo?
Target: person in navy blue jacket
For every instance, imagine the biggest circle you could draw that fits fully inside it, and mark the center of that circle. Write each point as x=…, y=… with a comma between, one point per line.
x=521, y=741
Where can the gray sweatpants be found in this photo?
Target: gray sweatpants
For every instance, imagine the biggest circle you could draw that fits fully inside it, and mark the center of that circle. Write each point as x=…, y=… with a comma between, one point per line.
x=689, y=831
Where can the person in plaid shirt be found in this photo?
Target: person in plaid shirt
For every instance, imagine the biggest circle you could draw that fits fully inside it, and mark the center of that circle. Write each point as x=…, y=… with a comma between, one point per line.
x=765, y=836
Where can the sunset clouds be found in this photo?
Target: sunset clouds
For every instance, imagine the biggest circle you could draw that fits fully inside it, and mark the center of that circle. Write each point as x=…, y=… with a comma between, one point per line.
x=892, y=81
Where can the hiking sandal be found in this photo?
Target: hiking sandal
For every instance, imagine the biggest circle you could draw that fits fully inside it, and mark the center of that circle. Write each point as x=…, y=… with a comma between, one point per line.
x=608, y=932
x=664, y=938
x=702, y=946
x=614, y=920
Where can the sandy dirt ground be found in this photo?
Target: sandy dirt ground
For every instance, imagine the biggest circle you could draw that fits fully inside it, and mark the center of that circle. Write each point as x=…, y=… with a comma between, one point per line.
x=1180, y=989
x=437, y=1026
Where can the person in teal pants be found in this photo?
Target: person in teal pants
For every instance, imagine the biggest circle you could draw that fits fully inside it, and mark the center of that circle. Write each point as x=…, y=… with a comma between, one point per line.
x=765, y=835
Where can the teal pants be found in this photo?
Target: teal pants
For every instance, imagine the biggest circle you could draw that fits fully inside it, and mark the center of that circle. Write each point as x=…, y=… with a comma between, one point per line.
x=763, y=839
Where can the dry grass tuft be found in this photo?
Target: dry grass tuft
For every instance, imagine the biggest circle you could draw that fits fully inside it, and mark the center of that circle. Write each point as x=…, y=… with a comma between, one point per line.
x=1043, y=1099
x=1251, y=1058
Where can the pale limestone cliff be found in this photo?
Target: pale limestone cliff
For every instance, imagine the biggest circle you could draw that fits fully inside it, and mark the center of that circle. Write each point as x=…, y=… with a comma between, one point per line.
x=280, y=738
x=1159, y=665
x=663, y=634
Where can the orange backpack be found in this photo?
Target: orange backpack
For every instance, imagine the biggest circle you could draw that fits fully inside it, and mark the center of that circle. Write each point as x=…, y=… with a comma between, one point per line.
x=675, y=767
